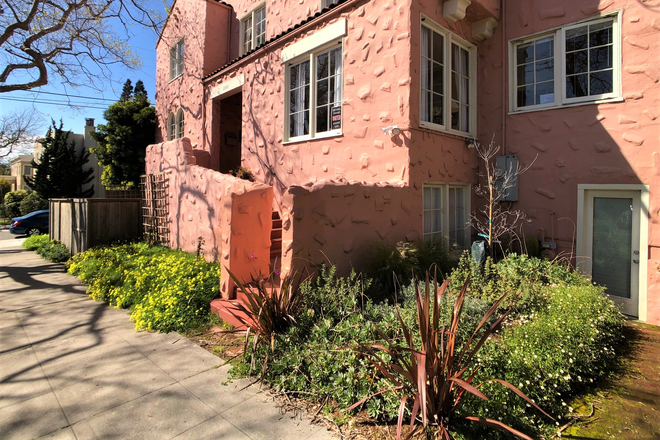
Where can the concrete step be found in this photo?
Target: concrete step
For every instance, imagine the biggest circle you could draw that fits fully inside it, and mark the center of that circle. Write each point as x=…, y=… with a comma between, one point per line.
x=277, y=224
x=275, y=234
x=227, y=311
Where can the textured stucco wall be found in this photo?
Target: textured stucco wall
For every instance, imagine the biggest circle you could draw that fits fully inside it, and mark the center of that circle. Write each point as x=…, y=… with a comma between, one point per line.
x=376, y=78
x=613, y=143
x=204, y=25
x=231, y=216
x=339, y=222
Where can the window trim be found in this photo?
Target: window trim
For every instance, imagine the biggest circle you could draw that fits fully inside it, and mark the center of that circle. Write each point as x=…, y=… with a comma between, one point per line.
x=174, y=61
x=559, y=34
x=446, y=186
x=449, y=39
x=311, y=57
x=251, y=14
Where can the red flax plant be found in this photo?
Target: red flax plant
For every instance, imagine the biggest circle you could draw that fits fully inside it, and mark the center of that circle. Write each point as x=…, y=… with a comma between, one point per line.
x=265, y=311
x=437, y=376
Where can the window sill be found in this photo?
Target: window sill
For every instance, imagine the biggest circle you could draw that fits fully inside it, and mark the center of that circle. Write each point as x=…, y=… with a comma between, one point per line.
x=317, y=137
x=440, y=130
x=574, y=104
x=175, y=78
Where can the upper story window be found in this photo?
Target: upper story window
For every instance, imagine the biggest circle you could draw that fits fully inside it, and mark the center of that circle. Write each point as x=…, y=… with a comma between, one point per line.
x=253, y=29
x=171, y=127
x=448, y=81
x=573, y=64
x=314, y=89
x=27, y=170
x=176, y=59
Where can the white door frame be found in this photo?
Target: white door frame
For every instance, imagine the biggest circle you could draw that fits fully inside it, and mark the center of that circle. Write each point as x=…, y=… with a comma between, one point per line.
x=583, y=260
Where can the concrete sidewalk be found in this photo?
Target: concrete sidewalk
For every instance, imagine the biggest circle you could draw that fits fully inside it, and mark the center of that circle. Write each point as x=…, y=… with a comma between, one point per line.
x=73, y=368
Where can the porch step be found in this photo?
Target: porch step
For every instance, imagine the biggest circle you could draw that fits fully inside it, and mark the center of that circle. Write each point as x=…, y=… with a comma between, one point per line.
x=224, y=308
x=276, y=238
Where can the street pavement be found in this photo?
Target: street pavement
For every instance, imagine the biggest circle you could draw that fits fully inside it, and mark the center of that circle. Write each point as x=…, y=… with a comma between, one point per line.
x=73, y=368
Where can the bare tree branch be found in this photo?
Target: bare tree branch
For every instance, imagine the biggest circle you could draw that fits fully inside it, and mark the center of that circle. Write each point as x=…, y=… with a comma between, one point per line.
x=43, y=39
x=18, y=130
x=493, y=220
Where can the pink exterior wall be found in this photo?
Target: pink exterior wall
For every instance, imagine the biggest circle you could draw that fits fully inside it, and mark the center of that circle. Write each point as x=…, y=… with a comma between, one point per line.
x=205, y=26
x=376, y=94
x=339, y=222
x=595, y=143
x=231, y=216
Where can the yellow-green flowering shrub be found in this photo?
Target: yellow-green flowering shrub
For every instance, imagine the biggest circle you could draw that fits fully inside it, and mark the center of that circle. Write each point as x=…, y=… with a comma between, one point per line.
x=167, y=290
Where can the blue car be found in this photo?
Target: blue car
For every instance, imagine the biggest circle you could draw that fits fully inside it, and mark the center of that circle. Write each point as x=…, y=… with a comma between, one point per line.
x=34, y=223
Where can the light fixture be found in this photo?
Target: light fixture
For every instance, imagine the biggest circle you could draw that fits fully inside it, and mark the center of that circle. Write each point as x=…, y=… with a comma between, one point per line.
x=392, y=130
x=471, y=143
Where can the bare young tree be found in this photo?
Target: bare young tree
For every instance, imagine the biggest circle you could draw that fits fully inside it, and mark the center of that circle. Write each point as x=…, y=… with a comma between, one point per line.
x=495, y=220
x=75, y=41
x=18, y=131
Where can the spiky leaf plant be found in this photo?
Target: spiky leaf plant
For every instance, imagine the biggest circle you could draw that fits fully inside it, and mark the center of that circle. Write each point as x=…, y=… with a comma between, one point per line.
x=437, y=376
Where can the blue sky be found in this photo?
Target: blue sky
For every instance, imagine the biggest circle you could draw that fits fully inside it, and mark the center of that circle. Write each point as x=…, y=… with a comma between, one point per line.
x=52, y=100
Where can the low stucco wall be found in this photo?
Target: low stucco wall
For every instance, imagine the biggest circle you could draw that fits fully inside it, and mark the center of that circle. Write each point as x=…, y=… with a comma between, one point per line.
x=338, y=222
x=231, y=217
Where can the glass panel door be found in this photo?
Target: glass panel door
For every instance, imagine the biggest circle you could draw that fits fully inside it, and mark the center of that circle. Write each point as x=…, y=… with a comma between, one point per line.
x=612, y=244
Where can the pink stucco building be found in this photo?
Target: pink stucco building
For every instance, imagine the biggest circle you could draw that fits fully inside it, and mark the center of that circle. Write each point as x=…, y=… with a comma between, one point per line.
x=356, y=119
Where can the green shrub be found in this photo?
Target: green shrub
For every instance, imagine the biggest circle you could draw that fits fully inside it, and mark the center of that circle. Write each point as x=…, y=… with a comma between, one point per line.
x=167, y=290
x=521, y=277
x=13, y=201
x=552, y=354
x=33, y=202
x=392, y=267
x=563, y=337
x=51, y=250
x=34, y=242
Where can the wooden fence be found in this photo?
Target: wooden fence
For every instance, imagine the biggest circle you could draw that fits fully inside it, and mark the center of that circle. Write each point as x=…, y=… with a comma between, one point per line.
x=82, y=223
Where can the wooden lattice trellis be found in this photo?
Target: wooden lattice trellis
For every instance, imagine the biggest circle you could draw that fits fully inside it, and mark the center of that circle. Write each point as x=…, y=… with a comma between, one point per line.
x=155, y=206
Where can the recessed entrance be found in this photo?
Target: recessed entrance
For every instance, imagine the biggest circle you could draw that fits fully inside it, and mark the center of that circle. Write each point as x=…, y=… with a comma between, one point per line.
x=227, y=120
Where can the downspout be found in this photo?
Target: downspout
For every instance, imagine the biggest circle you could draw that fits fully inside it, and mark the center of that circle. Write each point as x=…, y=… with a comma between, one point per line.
x=505, y=74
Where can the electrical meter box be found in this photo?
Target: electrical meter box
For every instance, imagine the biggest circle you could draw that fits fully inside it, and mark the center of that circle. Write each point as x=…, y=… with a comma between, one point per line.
x=507, y=167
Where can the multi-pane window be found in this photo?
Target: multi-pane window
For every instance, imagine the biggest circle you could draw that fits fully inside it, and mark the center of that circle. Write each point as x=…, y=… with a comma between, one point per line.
x=253, y=29
x=433, y=73
x=572, y=64
x=326, y=3
x=171, y=127
x=314, y=94
x=175, y=125
x=589, y=60
x=447, y=81
x=179, y=123
x=176, y=59
x=446, y=213
x=27, y=170
x=460, y=89
x=535, y=72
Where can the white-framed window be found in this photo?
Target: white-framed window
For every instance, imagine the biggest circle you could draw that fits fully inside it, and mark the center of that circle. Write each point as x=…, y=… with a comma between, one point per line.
x=568, y=65
x=446, y=216
x=27, y=170
x=253, y=29
x=171, y=127
x=180, y=125
x=176, y=59
x=448, y=81
x=314, y=91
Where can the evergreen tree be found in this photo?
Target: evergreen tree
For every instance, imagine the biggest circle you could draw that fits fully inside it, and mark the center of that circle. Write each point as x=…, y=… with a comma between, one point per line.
x=127, y=91
x=60, y=173
x=139, y=89
x=123, y=141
